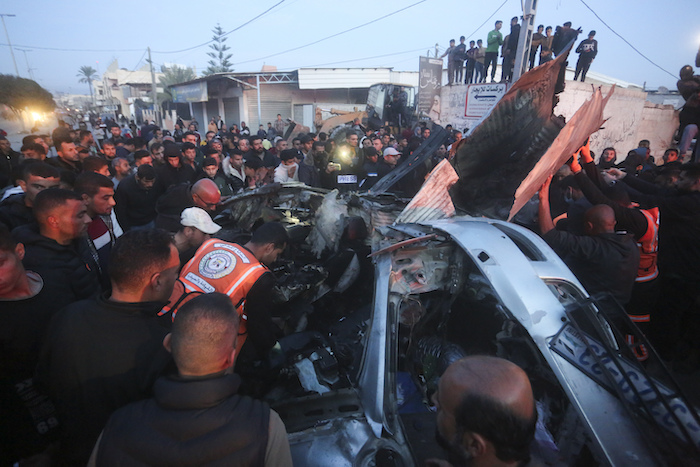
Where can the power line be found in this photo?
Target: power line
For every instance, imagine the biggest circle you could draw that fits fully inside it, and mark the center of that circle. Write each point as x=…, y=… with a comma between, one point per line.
x=627, y=42
x=225, y=34
x=332, y=35
x=364, y=58
x=74, y=50
x=56, y=49
x=487, y=19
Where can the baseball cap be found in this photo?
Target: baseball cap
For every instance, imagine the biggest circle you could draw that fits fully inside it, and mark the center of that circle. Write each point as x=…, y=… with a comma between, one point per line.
x=391, y=152
x=199, y=219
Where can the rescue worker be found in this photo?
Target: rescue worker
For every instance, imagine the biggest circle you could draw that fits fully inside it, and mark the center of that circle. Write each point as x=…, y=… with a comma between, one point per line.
x=239, y=271
x=643, y=224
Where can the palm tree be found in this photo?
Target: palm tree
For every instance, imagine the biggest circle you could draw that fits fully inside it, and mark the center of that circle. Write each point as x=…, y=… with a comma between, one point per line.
x=173, y=75
x=87, y=74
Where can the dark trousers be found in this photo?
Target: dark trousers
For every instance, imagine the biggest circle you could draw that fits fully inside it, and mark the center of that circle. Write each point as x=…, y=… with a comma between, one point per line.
x=458, y=71
x=582, y=67
x=490, y=58
x=507, y=67
x=645, y=296
x=675, y=323
x=532, y=58
x=469, y=74
x=450, y=71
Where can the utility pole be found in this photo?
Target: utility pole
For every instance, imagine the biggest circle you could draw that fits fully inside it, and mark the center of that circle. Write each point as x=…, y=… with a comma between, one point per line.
x=436, y=50
x=522, y=55
x=154, y=89
x=29, y=69
x=2, y=16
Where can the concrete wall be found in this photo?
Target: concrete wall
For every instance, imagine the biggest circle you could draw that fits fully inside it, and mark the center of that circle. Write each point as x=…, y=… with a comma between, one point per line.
x=630, y=117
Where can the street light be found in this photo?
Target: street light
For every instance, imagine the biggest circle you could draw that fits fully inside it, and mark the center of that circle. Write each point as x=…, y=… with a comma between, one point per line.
x=2, y=17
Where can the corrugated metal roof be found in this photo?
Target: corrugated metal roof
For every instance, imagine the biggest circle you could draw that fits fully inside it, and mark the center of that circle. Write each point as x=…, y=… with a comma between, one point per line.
x=433, y=201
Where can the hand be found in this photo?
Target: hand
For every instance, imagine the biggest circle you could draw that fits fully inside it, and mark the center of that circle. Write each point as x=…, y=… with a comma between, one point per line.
x=615, y=174
x=544, y=189
x=586, y=152
x=574, y=164
x=291, y=170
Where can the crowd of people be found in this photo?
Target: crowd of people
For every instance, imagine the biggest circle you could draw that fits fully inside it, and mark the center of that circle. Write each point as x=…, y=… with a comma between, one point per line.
x=471, y=64
x=104, y=238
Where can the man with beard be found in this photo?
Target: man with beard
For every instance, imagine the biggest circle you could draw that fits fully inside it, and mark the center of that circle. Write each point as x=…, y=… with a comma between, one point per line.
x=53, y=248
x=68, y=158
x=486, y=413
x=607, y=159
x=233, y=169
x=257, y=150
x=109, y=150
x=97, y=192
x=136, y=198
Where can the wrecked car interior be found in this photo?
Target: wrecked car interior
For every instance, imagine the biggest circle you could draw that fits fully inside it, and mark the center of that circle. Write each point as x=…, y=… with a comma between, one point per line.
x=379, y=294
x=374, y=311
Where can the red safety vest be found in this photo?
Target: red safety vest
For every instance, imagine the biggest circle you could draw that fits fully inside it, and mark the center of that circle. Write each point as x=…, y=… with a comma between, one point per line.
x=218, y=266
x=648, y=247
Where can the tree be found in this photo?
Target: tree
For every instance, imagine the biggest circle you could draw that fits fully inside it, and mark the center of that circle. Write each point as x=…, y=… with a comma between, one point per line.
x=219, y=62
x=173, y=75
x=87, y=74
x=20, y=94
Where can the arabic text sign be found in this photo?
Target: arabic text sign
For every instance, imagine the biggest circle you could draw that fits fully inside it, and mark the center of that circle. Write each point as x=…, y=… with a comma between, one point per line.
x=481, y=98
x=195, y=92
x=430, y=80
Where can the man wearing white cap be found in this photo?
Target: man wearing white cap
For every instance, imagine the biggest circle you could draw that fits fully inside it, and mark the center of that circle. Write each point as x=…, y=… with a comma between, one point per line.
x=196, y=227
x=388, y=162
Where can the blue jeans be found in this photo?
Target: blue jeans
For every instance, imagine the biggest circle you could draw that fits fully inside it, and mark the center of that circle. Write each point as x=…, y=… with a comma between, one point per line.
x=479, y=72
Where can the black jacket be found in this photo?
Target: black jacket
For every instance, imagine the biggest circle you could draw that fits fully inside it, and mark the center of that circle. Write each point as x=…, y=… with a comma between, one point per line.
x=135, y=206
x=204, y=418
x=14, y=213
x=169, y=175
x=603, y=263
x=170, y=206
x=68, y=271
x=60, y=164
x=99, y=356
x=679, y=227
x=268, y=160
x=7, y=163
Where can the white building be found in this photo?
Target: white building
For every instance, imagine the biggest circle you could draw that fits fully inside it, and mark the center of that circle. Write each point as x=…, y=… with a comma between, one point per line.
x=119, y=89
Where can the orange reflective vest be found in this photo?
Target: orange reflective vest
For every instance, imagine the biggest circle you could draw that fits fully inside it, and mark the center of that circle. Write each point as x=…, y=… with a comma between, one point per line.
x=218, y=266
x=648, y=247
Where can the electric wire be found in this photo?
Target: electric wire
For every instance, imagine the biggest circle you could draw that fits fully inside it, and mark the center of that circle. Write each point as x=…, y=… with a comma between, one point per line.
x=486, y=20
x=57, y=49
x=332, y=35
x=224, y=35
x=626, y=41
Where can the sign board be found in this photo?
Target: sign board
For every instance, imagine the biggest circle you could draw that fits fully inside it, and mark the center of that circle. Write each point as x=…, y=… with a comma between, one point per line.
x=430, y=81
x=481, y=98
x=194, y=92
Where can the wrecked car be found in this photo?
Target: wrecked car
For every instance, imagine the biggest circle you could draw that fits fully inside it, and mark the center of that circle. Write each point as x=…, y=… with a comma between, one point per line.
x=377, y=309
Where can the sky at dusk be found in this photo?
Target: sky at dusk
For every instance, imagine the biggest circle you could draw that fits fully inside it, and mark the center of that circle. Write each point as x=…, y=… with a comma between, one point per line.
x=667, y=33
